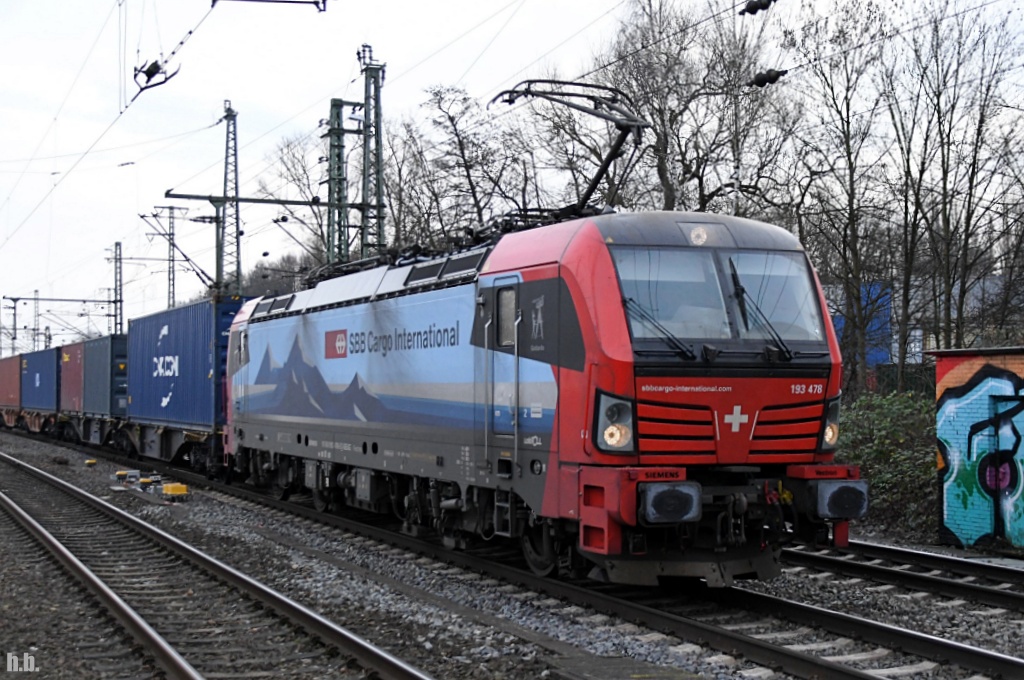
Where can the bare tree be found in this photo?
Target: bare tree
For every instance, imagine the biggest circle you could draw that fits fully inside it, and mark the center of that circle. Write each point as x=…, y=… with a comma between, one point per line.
x=910, y=156
x=960, y=61
x=277, y=277
x=712, y=138
x=1004, y=323
x=845, y=146
x=414, y=191
x=300, y=178
x=456, y=170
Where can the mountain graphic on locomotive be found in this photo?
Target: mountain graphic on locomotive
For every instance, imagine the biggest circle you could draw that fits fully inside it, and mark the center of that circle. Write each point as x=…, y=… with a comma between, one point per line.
x=629, y=396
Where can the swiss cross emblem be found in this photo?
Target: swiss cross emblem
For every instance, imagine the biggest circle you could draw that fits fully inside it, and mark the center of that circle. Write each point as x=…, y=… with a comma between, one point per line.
x=336, y=344
x=736, y=418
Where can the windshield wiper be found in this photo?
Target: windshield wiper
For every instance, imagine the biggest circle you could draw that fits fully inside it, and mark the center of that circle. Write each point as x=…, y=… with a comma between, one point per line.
x=666, y=334
x=741, y=294
x=760, y=318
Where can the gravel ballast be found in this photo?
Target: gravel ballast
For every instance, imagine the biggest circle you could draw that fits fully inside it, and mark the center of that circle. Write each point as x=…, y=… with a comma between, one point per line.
x=456, y=624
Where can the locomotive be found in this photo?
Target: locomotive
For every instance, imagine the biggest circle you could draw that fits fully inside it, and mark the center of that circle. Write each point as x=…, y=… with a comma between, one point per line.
x=634, y=395
x=631, y=397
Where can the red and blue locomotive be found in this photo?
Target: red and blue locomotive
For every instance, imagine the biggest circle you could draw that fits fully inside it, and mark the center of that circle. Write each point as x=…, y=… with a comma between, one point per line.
x=647, y=395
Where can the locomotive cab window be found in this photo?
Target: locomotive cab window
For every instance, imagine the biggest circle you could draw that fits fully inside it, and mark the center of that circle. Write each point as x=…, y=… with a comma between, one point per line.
x=779, y=287
x=693, y=294
x=243, y=348
x=506, y=317
x=673, y=290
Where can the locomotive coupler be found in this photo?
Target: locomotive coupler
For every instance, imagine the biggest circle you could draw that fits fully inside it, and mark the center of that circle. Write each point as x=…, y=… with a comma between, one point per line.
x=732, y=526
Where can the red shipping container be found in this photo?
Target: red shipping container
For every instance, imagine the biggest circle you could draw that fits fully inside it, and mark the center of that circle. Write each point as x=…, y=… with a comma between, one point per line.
x=10, y=382
x=72, y=378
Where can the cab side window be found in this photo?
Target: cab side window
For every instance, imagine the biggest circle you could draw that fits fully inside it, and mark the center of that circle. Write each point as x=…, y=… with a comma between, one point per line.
x=506, y=317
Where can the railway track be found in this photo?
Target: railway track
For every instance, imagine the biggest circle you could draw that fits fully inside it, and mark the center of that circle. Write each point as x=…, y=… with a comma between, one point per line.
x=800, y=640
x=972, y=580
x=767, y=634
x=195, y=616
x=797, y=639
x=35, y=587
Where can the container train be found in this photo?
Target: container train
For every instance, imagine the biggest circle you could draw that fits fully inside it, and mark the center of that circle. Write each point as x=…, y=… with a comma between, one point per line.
x=629, y=396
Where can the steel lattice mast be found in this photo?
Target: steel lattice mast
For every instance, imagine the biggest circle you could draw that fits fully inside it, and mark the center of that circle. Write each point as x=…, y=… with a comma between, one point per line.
x=229, y=231
x=372, y=228
x=337, y=183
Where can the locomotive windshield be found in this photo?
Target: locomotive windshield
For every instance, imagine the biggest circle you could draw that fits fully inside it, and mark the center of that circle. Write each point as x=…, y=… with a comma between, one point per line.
x=709, y=295
x=780, y=287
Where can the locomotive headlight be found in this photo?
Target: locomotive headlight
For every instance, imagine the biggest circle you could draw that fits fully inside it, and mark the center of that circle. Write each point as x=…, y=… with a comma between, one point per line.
x=617, y=436
x=614, y=426
x=830, y=434
x=614, y=412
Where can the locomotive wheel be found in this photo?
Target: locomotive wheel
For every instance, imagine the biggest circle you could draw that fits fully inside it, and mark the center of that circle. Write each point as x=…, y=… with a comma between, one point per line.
x=542, y=562
x=281, y=487
x=280, y=492
x=322, y=499
x=283, y=482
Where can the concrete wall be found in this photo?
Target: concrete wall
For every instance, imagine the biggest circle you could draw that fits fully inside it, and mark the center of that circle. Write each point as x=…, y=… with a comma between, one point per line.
x=979, y=426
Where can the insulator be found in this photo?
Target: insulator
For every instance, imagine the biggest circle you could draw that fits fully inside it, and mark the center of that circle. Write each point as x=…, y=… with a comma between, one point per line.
x=755, y=6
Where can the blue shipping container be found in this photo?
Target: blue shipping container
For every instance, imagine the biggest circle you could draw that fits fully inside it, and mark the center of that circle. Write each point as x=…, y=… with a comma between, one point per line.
x=176, y=365
x=106, y=376
x=40, y=380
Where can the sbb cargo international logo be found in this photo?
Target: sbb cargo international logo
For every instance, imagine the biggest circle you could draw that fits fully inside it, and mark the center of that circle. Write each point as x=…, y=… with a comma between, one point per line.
x=336, y=344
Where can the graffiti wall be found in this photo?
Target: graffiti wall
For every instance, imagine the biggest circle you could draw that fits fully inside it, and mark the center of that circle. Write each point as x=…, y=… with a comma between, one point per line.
x=979, y=422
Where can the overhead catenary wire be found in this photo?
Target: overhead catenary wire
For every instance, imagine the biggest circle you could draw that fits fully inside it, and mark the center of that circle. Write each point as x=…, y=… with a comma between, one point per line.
x=490, y=42
x=89, y=149
x=64, y=101
x=267, y=164
x=308, y=136
x=886, y=36
x=399, y=75
x=250, y=180
x=915, y=25
x=334, y=91
x=73, y=154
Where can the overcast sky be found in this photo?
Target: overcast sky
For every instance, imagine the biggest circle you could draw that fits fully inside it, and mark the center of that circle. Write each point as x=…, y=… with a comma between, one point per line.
x=79, y=161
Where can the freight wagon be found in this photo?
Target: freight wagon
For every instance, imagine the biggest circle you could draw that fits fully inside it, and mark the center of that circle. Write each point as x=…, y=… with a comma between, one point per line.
x=94, y=389
x=176, y=382
x=40, y=389
x=10, y=390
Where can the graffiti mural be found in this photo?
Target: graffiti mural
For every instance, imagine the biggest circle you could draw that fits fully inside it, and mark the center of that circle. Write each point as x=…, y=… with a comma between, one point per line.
x=979, y=426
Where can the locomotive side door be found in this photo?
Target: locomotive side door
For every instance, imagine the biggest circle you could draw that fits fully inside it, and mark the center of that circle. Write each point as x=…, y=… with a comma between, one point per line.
x=505, y=375
x=236, y=391
x=504, y=358
x=243, y=370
